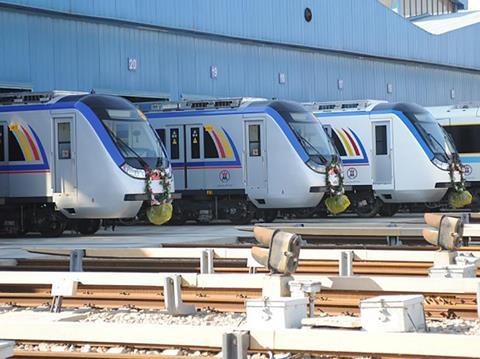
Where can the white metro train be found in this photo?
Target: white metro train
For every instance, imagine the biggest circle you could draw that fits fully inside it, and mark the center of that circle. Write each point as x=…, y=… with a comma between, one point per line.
x=462, y=123
x=244, y=158
x=393, y=153
x=71, y=159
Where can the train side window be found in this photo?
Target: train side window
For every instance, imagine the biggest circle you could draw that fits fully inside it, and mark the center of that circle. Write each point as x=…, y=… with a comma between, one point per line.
x=254, y=145
x=14, y=151
x=174, y=145
x=381, y=140
x=2, y=144
x=161, y=134
x=64, y=141
x=209, y=148
x=465, y=137
x=195, y=142
x=328, y=130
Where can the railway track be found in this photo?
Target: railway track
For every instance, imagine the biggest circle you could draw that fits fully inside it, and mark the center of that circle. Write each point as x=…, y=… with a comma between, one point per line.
x=393, y=268
x=333, y=302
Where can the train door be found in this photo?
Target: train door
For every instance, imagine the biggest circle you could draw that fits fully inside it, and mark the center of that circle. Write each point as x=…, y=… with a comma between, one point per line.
x=176, y=150
x=382, y=153
x=4, y=186
x=255, y=157
x=194, y=145
x=65, y=179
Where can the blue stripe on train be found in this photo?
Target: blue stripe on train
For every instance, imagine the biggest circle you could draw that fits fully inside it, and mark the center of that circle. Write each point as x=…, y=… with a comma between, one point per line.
x=399, y=114
x=85, y=111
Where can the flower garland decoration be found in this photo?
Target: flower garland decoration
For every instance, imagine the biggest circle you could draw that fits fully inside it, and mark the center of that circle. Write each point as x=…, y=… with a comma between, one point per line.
x=337, y=202
x=460, y=197
x=165, y=179
x=160, y=210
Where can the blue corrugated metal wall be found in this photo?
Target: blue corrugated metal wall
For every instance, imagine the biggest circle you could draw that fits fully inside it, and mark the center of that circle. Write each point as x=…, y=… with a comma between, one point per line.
x=51, y=51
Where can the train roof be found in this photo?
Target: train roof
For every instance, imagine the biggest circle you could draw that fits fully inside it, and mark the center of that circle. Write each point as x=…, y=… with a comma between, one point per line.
x=230, y=103
x=362, y=106
x=343, y=106
x=461, y=109
x=30, y=98
x=58, y=97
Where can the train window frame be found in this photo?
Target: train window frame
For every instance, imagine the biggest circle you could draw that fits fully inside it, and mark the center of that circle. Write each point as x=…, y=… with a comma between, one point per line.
x=15, y=153
x=174, y=155
x=209, y=148
x=3, y=151
x=195, y=152
x=255, y=144
x=465, y=142
x=161, y=134
x=64, y=144
x=382, y=149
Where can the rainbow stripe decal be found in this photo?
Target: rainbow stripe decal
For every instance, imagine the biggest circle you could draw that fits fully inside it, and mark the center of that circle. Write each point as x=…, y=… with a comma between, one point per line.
x=31, y=157
x=226, y=152
x=350, y=147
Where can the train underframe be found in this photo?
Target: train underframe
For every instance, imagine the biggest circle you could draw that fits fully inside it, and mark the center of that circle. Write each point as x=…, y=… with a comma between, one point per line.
x=365, y=204
x=43, y=218
x=204, y=208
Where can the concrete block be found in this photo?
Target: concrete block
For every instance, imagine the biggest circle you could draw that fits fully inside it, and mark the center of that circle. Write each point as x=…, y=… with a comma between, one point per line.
x=444, y=258
x=454, y=271
x=276, y=312
x=276, y=285
x=6, y=349
x=393, y=313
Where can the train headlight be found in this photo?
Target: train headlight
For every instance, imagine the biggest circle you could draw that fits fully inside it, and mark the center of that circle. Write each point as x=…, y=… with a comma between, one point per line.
x=316, y=167
x=440, y=164
x=133, y=172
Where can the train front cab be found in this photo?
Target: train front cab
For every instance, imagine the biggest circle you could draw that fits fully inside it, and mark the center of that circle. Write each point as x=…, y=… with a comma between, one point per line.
x=293, y=160
x=410, y=155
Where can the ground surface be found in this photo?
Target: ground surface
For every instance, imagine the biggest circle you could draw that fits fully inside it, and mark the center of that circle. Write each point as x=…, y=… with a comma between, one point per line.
x=153, y=236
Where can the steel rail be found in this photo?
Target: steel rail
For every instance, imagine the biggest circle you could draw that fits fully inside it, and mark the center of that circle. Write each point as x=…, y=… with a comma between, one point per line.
x=437, y=305
x=189, y=265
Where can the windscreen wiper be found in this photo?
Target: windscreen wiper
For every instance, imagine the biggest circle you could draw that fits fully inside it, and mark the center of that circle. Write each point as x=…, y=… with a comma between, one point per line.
x=439, y=144
x=121, y=142
x=305, y=141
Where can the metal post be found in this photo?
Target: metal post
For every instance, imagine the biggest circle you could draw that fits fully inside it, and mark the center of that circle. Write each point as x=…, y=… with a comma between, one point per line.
x=345, y=264
x=76, y=260
x=394, y=241
x=56, y=306
x=235, y=345
x=206, y=262
x=172, y=293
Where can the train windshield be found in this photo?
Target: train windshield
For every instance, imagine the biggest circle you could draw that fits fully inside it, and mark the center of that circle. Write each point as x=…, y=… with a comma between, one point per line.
x=129, y=129
x=434, y=135
x=308, y=130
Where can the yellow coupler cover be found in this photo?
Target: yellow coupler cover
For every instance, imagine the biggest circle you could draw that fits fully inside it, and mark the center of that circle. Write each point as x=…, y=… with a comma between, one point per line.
x=160, y=214
x=459, y=199
x=337, y=204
